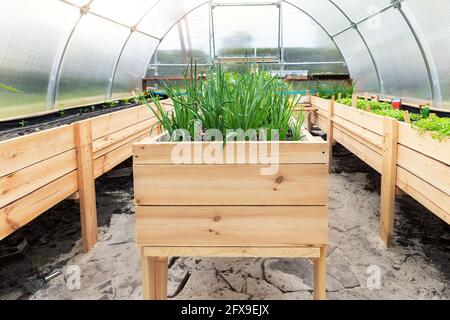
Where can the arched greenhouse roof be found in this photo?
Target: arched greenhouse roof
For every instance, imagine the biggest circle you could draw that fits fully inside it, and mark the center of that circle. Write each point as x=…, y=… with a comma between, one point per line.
x=75, y=52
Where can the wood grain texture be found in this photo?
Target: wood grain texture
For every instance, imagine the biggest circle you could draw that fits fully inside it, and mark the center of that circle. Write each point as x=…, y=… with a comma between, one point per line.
x=424, y=143
x=361, y=150
x=25, y=181
x=123, y=134
x=432, y=198
x=289, y=153
x=388, y=180
x=320, y=275
x=86, y=184
x=428, y=169
x=24, y=210
x=231, y=185
x=19, y=153
x=108, y=124
x=233, y=252
x=240, y=226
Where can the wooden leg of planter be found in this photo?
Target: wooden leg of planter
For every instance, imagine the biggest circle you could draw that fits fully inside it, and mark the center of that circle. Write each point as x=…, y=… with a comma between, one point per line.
x=330, y=134
x=310, y=122
x=154, y=277
x=86, y=184
x=389, y=180
x=320, y=275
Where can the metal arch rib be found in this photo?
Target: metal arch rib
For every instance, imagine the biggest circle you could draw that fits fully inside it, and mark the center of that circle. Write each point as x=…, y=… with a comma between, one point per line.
x=119, y=57
x=319, y=24
x=170, y=29
x=55, y=75
x=375, y=65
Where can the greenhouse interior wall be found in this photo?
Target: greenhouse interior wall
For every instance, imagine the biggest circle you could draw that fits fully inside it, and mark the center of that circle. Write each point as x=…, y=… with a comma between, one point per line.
x=93, y=51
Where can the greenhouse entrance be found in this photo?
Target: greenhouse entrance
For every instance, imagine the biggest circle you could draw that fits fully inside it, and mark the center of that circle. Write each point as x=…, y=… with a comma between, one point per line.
x=281, y=150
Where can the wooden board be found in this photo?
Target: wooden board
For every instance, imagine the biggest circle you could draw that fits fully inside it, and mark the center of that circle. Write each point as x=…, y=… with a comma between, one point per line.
x=320, y=103
x=118, y=136
x=424, y=143
x=435, y=200
x=113, y=158
x=107, y=124
x=24, y=210
x=232, y=252
x=19, y=153
x=366, y=154
x=23, y=182
x=241, y=226
x=367, y=120
x=426, y=168
x=146, y=152
x=295, y=184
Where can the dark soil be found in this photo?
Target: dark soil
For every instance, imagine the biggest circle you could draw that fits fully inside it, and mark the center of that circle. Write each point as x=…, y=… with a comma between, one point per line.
x=18, y=128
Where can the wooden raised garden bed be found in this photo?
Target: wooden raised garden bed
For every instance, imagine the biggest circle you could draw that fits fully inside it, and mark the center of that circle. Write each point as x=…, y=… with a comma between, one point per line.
x=40, y=170
x=415, y=163
x=229, y=209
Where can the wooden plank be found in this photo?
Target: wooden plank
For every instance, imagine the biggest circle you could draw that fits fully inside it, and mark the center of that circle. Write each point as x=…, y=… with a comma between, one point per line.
x=432, y=198
x=367, y=120
x=123, y=134
x=388, y=181
x=354, y=100
x=146, y=153
x=373, y=140
x=107, y=124
x=424, y=143
x=86, y=184
x=330, y=139
x=320, y=275
x=233, y=252
x=154, y=277
x=19, y=153
x=144, y=133
x=115, y=157
x=238, y=184
x=431, y=171
x=24, y=210
x=255, y=226
x=320, y=103
x=23, y=182
x=359, y=149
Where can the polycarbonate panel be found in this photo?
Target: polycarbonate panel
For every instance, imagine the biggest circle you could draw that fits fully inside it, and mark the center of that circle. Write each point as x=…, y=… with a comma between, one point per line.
x=31, y=34
x=89, y=61
x=242, y=31
x=358, y=60
x=428, y=19
x=165, y=14
x=188, y=40
x=399, y=60
x=358, y=10
x=128, y=12
x=324, y=12
x=133, y=64
x=312, y=44
x=79, y=3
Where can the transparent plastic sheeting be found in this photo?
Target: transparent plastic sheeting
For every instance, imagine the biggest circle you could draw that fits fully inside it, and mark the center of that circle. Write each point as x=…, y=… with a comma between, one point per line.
x=61, y=53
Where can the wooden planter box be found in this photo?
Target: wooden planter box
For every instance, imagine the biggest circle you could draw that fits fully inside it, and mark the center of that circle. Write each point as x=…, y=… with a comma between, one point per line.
x=231, y=209
x=415, y=163
x=40, y=170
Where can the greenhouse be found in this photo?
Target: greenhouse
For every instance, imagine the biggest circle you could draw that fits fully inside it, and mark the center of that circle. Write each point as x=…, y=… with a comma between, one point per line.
x=224, y=150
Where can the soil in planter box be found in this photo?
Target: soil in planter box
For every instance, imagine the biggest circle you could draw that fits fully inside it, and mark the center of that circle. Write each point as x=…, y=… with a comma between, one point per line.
x=18, y=128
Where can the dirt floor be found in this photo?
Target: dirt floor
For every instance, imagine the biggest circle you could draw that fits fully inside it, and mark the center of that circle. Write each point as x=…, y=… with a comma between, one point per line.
x=359, y=266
